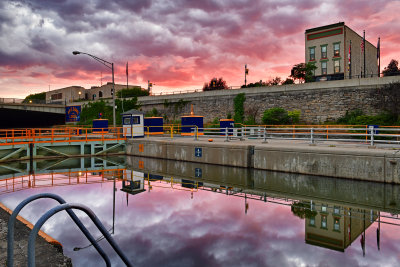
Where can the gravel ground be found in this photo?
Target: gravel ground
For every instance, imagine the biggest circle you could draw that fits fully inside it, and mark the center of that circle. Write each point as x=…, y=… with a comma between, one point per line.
x=46, y=254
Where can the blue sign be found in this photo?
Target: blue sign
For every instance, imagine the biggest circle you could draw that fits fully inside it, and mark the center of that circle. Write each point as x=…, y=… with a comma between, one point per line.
x=198, y=152
x=198, y=172
x=72, y=113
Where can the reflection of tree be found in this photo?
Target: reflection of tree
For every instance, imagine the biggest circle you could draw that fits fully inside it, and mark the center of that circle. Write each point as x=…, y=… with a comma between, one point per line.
x=303, y=210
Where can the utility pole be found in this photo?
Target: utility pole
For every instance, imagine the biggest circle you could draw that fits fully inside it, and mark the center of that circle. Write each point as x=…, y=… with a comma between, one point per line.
x=364, y=53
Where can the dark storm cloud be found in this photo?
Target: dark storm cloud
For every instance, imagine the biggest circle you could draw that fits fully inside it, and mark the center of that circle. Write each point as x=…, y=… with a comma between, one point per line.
x=42, y=45
x=177, y=42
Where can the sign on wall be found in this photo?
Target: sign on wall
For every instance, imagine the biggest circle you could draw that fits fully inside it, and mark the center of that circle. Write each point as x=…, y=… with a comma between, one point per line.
x=72, y=113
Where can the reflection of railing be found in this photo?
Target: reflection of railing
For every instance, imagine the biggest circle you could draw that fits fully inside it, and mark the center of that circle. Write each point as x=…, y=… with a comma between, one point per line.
x=56, y=135
x=58, y=179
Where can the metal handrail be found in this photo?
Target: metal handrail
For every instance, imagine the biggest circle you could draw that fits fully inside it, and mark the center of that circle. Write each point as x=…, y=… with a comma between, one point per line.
x=11, y=223
x=69, y=206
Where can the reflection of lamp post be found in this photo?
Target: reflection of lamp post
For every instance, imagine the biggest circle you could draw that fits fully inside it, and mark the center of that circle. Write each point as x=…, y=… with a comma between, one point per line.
x=110, y=66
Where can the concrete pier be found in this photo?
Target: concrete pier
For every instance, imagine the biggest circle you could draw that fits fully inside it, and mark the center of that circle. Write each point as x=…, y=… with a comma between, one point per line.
x=341, y=160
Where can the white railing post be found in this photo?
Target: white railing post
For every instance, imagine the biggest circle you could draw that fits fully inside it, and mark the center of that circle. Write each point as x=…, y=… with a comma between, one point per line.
x=265, y=136
x=241, y=134
x=226, y=135
x=371, y=130
x=312, y=136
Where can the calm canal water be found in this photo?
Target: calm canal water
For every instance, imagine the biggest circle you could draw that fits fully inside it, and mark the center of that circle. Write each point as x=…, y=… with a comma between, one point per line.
x=183, y=214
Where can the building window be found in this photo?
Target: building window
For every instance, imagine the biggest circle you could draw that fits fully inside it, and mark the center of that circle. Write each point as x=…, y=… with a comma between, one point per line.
x=337, y=66
x=323, y=208
x=135, y=120
x=56, y=96
x=312, y=53
x=324, y=51
x=312, y=221
x=100, y=94
x=323, y=68
x=336, y=224
x=336, y=210
x=323, y=222
x=336, y=50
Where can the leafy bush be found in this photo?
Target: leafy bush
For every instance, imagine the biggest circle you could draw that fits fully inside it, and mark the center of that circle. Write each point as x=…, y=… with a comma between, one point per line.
x=38, y=96
x=275, y=116
x=238, y=107
x=294, y=116
x=153, y=113
x=132, y=92
x=357, y=117
x=91, y=110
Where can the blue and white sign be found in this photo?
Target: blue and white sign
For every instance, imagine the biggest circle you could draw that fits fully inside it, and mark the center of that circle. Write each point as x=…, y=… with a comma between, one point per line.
x=198, y=152
x=72, y=113
x=198, y=172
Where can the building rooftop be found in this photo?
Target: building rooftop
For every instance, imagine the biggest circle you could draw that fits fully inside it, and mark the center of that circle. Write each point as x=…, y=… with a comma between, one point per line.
x=132, y=112
x=325, y=27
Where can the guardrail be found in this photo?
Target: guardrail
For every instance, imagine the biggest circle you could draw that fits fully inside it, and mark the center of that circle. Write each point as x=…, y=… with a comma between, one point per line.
x=56, y=135
x=370, y=135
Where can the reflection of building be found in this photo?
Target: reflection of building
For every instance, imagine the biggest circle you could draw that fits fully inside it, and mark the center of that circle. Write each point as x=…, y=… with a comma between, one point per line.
x=134, y=183
x=336, y=227
x=76, y=93
x=327, y=47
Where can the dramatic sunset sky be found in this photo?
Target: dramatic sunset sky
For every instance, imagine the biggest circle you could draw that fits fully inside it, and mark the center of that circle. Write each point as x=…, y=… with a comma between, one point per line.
x=176, y=44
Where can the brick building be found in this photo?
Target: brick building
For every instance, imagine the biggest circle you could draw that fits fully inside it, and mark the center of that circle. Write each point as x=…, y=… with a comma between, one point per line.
x=76, y=93
x=328, y=48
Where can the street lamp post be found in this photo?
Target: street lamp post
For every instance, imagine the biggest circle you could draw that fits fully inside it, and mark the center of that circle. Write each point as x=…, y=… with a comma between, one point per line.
x=109, y=65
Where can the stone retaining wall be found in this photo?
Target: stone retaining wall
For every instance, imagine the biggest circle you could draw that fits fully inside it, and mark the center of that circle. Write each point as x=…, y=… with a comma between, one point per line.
x=318, y=102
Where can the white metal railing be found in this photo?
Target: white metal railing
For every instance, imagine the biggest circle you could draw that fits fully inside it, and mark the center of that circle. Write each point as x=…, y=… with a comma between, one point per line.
x=370, y=135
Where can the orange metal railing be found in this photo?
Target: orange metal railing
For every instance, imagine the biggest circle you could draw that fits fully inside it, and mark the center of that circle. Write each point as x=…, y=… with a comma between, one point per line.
x=58, y=179
x=56, y=135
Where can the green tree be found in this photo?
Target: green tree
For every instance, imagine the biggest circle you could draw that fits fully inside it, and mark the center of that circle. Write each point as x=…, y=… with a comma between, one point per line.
x=238, y=107
x=39, y=97
x=256, y=84
x=392, y=69
x=215, y=84
x=274, y=81
x=91, y=110
x=303, y=72
x=288, y=81
x=131, y=92
x=275, y=116
x=303, y=210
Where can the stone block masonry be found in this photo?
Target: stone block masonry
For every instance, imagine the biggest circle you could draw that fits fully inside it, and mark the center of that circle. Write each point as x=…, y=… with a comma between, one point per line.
x=318, y=102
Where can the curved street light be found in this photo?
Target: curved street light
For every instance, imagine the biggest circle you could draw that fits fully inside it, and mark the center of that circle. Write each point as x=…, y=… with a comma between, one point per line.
x=109, y=65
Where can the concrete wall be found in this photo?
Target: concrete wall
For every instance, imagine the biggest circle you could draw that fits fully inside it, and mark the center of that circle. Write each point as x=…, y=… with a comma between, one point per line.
x=351, y=163
x=343, y=192
x=318, y=102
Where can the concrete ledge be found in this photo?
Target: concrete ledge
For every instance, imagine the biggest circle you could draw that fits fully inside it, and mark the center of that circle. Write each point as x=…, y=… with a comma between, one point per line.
x=378, y=165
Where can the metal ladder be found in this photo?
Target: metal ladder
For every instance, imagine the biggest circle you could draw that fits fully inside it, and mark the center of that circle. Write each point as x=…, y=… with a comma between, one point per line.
x=63, y=206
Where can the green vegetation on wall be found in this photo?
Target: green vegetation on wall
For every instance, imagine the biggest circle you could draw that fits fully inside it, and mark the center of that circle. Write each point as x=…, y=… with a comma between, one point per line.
x=357, y=117
x=132, y=92
x=238, y=107
x=278, y=116
x=33, y=97
x=91, y=110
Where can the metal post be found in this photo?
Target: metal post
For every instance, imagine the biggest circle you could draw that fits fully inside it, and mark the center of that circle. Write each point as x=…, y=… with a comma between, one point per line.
x=226, y=135
x=241, y=134
x=113, y=96
x=371, y=129
x=194, y=133
x=265, y=136
x=312, y=136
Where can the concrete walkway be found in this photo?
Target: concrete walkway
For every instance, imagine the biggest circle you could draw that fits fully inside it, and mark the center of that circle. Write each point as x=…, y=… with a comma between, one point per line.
x=46, y=254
